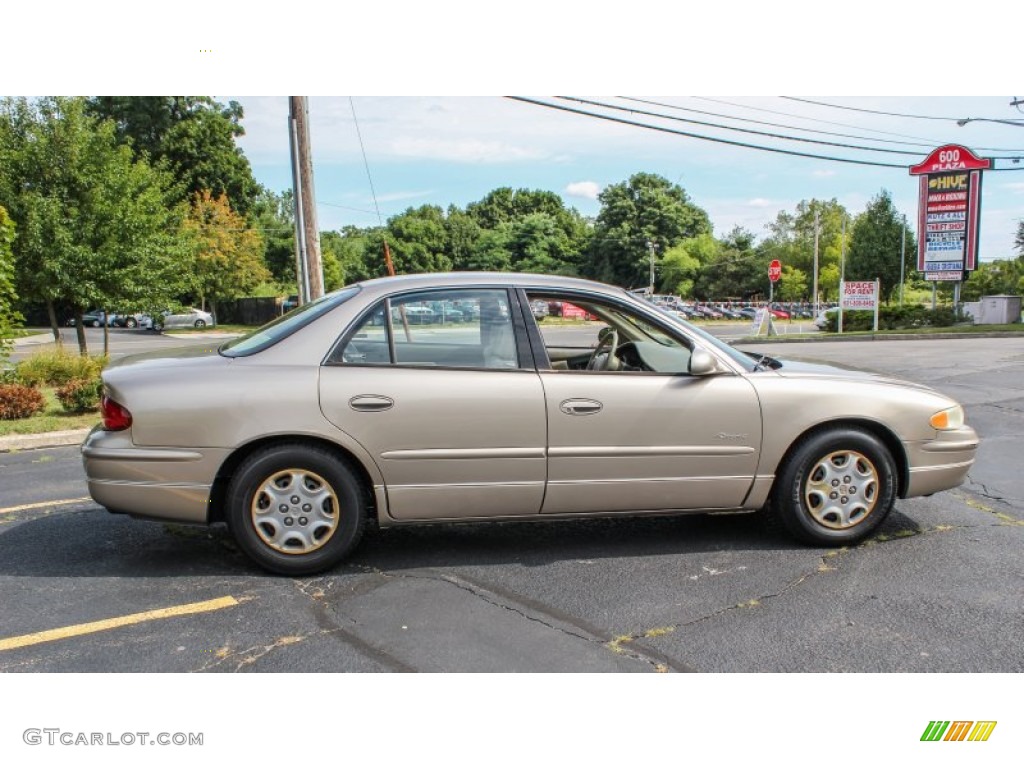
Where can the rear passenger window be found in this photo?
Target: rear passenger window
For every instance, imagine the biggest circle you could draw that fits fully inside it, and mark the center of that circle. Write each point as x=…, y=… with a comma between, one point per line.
x=448, y=329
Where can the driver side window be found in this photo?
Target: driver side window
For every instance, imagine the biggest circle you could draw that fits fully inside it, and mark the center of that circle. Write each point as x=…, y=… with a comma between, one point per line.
x=585, y=334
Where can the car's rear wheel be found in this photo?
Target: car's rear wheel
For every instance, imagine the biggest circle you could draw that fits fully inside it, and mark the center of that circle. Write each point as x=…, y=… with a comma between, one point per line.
x=296, y=509
x=836, y=487
x=131, y=322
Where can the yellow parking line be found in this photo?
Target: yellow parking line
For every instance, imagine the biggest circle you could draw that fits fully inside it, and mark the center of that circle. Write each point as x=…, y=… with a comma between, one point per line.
x=42, y=504
x=49, y=635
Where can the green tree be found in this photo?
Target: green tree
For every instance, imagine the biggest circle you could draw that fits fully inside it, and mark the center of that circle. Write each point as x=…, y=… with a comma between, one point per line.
x=645, y=209
x=791, y=241
x=274, y=216
x=228, y=255
x=793, y=284
x=418, y=240
x=9, y=316
x=193, y=137
x=539, y=245
x=96, y=227
x=875, y=245
x=463, y=234
x=1018, y=240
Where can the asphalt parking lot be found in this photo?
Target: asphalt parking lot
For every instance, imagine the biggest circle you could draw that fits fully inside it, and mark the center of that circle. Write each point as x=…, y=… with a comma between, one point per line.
x=939, y=588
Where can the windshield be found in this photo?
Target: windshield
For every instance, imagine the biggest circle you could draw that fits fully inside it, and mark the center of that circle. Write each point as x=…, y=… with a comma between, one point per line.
x=287, y=324
x=741, y=358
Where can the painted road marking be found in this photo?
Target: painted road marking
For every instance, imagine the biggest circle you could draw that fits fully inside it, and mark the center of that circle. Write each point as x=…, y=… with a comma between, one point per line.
x=49, y=635
x=43, y=504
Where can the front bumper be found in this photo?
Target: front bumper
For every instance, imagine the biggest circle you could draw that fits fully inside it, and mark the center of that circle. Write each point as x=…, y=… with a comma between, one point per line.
x=942, y=463
x=162, y=483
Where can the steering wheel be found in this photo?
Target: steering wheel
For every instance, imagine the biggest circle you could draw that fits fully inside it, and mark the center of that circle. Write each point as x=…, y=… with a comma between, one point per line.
x=607, y=344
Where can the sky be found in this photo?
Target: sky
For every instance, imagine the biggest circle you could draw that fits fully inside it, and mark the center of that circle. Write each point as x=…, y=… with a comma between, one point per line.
x=454, y=150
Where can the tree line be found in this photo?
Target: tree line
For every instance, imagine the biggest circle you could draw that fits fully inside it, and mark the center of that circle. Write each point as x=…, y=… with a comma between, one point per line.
x=141, y=203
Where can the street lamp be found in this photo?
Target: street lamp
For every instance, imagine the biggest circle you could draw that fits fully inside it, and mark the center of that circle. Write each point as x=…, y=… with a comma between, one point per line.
x=966, y=120
x=651, y=248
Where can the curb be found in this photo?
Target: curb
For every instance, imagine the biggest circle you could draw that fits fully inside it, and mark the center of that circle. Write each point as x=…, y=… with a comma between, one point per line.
x=43, y=440
x=783, y=339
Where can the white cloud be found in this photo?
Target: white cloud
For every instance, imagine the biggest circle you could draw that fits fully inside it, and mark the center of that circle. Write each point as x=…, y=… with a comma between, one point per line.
x=760, y=202
x=463, y=150
x=585, y=189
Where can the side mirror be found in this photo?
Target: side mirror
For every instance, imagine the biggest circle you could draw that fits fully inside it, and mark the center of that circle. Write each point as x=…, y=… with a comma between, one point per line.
x=702, y=363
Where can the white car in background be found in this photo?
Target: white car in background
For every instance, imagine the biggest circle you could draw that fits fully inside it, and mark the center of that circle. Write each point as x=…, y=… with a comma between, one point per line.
x=189, y=318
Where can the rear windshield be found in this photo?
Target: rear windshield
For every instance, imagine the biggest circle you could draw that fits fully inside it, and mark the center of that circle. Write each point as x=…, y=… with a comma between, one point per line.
x=286, y=325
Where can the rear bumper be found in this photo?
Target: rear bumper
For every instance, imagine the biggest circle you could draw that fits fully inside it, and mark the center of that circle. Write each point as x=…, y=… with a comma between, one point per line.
x=939, y=464
x=150, y=482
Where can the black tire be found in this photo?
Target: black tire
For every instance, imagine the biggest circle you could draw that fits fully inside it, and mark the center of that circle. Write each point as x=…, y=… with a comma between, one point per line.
x=131, y=322
x=200, y=323
x=95, y=323
x=303, y=468
x=835, y=488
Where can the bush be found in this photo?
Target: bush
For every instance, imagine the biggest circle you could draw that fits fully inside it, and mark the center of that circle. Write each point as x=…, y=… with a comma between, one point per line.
x=57, y=368
x=19, y=402
x=894, y=318
x=80, y=395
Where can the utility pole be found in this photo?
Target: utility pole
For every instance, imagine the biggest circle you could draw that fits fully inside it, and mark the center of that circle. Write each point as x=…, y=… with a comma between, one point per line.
x=842, y=273
x=651, y=248
x=305, y=196
x=903, y=256
x=816, y=263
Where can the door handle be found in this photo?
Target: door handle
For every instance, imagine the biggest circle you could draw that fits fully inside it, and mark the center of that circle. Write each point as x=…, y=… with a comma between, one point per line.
x=580, y=407
x=370, y=403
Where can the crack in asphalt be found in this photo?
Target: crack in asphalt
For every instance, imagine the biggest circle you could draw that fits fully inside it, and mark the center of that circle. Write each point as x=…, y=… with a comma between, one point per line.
x=491, y=599
x=1008, y=500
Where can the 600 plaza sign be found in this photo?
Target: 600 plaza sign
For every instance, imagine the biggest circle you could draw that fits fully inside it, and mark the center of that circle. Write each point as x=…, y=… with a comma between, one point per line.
x=948, y=212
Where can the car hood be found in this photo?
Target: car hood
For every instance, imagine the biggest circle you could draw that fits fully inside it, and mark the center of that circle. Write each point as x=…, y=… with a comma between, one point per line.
x=804, y=369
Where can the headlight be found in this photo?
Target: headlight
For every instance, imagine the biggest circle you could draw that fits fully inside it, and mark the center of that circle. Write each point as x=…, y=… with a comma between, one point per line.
x=951, y=418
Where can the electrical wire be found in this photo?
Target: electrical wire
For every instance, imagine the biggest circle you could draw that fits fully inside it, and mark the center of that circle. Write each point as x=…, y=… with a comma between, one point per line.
x=741, y=130
x=366, y=163
x=718, y=140
x=927, y=144
x=869, y=111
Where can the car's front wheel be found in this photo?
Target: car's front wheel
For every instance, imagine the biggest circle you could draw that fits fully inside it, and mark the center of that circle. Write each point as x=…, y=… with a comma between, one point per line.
x=131, y=322
x=836, y=487
x=200, y=323
x=296, y=509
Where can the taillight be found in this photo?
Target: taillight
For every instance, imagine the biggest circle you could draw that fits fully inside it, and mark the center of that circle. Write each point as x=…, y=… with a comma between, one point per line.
x=115, y=416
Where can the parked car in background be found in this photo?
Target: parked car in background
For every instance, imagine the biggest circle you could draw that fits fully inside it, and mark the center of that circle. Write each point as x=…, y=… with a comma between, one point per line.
x=94, y=318
x=540, y=309
x=303, y=431
x=748, y=312
x=137, y=320
x=189, y=318
x=821, y=321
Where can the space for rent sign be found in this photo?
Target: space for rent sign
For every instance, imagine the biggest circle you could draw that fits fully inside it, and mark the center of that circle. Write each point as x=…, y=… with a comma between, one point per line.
x=861, y=294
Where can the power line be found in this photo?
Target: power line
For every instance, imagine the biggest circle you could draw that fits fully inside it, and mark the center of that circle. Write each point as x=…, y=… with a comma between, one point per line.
x=925, y=141
x=928, y=144
x=730, y=142
x=742, y=130
x=869, y=111
x=366, y=162
x=918, y=143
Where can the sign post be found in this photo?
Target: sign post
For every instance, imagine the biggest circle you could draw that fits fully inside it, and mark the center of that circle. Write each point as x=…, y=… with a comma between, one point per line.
x=774, y=273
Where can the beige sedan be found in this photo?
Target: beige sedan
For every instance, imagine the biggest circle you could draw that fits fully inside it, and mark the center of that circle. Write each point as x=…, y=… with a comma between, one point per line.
x=348, y=409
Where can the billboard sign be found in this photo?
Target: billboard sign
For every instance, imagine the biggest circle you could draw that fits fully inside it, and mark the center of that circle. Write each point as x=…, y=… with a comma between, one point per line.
x=948, y=211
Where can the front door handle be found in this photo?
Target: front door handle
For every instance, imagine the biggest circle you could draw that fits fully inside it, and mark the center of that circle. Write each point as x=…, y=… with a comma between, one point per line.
x=370, y=403
x=580, y=407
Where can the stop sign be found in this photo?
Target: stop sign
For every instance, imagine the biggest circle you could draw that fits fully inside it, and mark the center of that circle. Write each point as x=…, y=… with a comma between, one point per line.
x=775, y=270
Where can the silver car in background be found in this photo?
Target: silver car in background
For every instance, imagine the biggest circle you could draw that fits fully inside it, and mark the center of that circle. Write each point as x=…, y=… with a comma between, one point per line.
x=347, y=409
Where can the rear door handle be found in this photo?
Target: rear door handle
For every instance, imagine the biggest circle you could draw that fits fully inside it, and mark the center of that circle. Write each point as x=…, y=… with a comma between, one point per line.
x=370, y=403
x=580, y=407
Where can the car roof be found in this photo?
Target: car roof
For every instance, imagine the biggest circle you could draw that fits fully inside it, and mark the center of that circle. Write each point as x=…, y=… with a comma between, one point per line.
x=475, y=278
